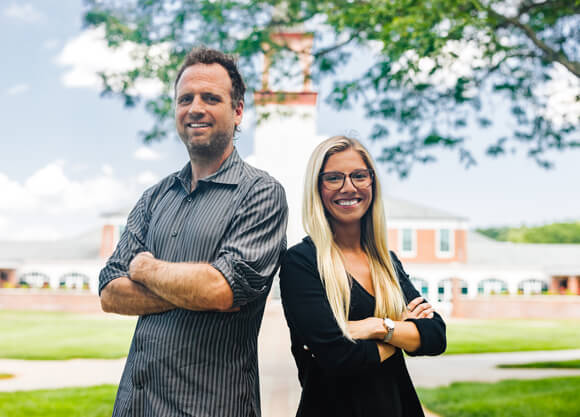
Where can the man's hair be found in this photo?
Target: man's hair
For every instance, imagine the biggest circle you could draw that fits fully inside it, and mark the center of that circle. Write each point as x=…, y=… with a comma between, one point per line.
x=207, y=56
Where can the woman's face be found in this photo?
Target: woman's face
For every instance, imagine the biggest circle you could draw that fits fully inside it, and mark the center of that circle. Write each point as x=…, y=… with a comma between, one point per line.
x=348, y=204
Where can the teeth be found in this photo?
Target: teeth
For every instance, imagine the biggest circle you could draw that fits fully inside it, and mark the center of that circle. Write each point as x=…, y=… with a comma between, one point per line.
x=347, y=202
x=194, y=125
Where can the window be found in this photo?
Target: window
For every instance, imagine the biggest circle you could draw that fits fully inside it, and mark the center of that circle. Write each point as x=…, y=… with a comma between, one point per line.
x=407, y=243
x=34, y=280
x=492, y=286
x=445, y=243
x=445, y=289
x=421, y=285
x=532, y=286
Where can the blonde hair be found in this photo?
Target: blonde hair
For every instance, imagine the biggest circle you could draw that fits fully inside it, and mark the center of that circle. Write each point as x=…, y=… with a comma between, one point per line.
x=388, y=295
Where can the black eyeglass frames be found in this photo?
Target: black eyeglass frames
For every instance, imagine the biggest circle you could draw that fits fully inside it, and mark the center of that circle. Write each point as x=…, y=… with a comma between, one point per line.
x=334, y=180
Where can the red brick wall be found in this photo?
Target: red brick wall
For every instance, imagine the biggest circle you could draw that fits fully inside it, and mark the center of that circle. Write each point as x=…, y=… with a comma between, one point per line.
x=49, y=300
x=107, y=238
x=520, y=307
x=426, y=247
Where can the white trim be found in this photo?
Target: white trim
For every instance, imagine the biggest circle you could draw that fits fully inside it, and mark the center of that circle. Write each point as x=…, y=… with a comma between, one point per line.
x=413, y=252
x=426, y=224
x=446, y=254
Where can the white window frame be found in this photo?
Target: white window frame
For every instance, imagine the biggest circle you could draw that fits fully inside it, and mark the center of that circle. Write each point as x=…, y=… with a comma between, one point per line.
x=413, y=252
x=445, y=254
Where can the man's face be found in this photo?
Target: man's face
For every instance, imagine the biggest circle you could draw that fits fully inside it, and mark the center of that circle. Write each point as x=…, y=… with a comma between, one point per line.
x=204, y=116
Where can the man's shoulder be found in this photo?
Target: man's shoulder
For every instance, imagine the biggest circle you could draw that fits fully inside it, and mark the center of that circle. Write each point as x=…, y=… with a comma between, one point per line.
x=252, y=174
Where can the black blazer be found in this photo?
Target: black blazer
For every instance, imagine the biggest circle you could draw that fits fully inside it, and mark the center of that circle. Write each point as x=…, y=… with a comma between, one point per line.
x=339, y=377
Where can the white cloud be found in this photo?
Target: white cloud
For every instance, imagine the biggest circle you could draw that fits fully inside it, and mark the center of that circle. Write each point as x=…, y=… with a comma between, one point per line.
x=107, y=170
x=87, y=55
x=50, y=203
x=145, y=153
x=24, y=12
x=18, y=89
x=147, y=178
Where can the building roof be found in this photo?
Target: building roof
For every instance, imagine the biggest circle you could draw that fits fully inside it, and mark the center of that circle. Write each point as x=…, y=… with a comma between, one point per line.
x=555, y=259
x=405, y=210
x=82, y=247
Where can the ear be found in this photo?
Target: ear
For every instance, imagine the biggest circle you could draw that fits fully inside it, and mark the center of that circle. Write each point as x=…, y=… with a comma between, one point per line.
x=239, y=112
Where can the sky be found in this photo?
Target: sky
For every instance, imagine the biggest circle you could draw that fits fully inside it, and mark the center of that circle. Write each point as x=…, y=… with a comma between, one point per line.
x=68, y=155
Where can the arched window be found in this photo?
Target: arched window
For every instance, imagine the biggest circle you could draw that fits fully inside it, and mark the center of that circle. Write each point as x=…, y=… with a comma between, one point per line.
x=74, y=280
x=491, y=286
x=532, y=286
x=421, y=285
x=445, y=289
x=34, y=280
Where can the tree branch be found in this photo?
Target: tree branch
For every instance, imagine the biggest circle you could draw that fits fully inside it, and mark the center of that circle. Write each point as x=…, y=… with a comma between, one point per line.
x=549, y=53
x=335, y=47
x=526, y=7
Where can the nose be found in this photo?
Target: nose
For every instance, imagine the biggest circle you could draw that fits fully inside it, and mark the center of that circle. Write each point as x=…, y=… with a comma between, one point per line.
x=348, y=186
x=196, y=108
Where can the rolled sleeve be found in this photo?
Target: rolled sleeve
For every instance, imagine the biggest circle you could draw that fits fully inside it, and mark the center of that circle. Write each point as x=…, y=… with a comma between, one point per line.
x=431, y=331
x=249, y=254
x=310, y=317
x=131, y=242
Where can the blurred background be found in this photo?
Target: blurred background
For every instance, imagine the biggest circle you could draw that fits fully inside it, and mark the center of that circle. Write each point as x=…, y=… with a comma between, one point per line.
x=472, y=110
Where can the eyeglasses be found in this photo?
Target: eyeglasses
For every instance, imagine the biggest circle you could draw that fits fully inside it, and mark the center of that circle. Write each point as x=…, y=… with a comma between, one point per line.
x=334, y=180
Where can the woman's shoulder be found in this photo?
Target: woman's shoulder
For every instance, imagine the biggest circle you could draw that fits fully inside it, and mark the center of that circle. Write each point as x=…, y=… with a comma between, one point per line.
x=305, y=251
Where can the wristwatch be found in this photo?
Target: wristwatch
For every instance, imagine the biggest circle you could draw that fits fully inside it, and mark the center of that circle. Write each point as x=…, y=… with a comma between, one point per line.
x=390, y=327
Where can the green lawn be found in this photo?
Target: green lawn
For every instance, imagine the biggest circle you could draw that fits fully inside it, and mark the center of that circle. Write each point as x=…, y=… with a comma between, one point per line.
x=550, y=397
x=479, y=336
x=67, y=402
x=573, y=364
x=56, y=335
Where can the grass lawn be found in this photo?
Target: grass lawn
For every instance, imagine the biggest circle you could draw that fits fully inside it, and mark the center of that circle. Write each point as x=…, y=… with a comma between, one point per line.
x=479, y=336
x=573, y=364
x=56, y=335
x=70, y=402
x=550, y=397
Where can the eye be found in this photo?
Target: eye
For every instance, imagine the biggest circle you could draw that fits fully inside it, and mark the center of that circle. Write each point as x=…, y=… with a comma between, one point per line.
x=360, y=175
x=332, y=177
x=211, y=99
x=184, y=99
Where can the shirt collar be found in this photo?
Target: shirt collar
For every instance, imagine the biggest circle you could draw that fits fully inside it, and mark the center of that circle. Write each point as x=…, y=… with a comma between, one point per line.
x=229, y=172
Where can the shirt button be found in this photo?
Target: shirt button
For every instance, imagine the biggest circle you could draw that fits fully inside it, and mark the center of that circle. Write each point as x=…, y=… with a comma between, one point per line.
x=139, y=386
x=174, y=233
x=188, y=199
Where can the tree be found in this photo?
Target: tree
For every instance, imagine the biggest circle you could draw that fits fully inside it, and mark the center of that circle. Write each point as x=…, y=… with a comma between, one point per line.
x=437, y=62
x=550, y=233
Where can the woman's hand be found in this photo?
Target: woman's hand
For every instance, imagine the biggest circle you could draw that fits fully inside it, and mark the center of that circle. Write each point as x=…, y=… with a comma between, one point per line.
x=417, y=309
x=369, y=328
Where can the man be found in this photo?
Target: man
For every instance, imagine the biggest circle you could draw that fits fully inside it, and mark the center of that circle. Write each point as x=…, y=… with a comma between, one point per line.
x=196, y=261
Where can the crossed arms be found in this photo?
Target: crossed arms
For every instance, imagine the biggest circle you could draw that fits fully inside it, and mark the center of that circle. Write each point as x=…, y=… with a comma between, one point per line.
x=156, y=286
x=134, y=282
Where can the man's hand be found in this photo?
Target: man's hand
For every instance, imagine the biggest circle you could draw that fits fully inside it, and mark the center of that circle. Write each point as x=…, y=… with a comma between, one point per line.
x=140, y=265
x=417, y=309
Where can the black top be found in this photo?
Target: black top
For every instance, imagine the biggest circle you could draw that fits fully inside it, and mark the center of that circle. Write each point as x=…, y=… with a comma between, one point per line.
x=339, y=377
x=202, y=363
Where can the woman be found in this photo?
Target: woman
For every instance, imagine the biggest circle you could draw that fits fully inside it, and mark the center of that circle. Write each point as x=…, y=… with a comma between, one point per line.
x=345, y=296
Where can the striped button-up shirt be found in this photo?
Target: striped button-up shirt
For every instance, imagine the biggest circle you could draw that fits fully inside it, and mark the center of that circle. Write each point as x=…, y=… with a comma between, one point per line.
x=202, y=363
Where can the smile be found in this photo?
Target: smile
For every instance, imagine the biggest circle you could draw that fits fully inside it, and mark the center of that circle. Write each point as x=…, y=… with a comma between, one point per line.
x=197, y=125
x=348, y=202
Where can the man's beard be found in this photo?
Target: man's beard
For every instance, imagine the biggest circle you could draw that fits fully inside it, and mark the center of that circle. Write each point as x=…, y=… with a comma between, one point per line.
x=213, y=149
